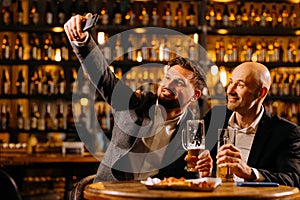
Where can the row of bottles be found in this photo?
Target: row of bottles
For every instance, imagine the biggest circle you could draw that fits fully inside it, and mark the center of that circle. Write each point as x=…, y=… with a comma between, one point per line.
x=289, y=111
x=154, y=48
x=35, y=121
x=241, y=14
x=285, y=84
x=257, y=49
x=51, y=48
x=149, y=14
x=29, y=12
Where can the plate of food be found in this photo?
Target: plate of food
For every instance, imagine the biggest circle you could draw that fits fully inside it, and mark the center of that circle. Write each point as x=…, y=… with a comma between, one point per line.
x=171, y=183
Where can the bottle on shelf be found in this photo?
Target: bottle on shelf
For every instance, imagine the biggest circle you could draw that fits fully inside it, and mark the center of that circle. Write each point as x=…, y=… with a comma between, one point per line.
x=117, y=17
x=73, y=82
x=101, y=117
x=245, y=18
x=225, y=16
x=59, y=118
x=61, y=83
x=192, y=50
x=154, y=49
x=292, y=17
x=48, y=120
x=83, y=118
x=34, y=117
x=7, y=15
x=19, y=48
x=20, y=12
x=274, y=85
x=286, y=84
x=145, y=49
x=32, y=89
x=70, y=118
x=238, y=15
x=5, y=83
x=252, y=14
x=49, y=14
x=64, y=50
x=144, y=17
x=104, y=17
x=191, y=16
x=274, y=15
x=179, y=15
x=167, y=16
x=232, y=18
x=61, y=16
x=34, y=15
x=285, y=16
x=155, y=16
x=21, y=84
x=5, y=48
x=106, y=49
x=48, y=84
x=291, y=51
x=4, y=118
x=219, y=18
x=48, y=48
x=35, y=50
x=263, y=16
x=298, y=50
x=20, y=117
x=119, y=51
x=130, y=51
x=211, y=15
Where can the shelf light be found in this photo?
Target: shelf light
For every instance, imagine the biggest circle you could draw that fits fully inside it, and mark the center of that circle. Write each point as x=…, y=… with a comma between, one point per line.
x=196, y=38
x=58, y=29
x=223, y=77
x=101, y=38
x=297, y=32
x=222, y=31
x=57, y=56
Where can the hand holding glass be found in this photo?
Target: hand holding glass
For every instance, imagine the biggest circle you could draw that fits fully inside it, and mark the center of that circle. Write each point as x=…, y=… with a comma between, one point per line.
x=225, y=136
x=193, y=140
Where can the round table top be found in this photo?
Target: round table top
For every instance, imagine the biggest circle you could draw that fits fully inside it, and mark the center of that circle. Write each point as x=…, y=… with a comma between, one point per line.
x=136, y=190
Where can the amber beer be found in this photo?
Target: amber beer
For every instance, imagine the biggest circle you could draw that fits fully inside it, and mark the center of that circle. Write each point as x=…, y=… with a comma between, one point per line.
x=192, y=158
x=225, y=136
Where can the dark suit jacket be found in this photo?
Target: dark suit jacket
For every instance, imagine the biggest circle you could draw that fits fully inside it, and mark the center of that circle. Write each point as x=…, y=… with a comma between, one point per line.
x=132, y=120
x=275, y=151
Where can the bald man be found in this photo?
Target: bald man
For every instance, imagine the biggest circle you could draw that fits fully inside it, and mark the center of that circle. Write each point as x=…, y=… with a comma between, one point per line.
x=267, y=147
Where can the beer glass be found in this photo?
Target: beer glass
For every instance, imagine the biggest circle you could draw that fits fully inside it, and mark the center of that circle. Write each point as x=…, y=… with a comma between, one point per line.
x=225, y=136
x=193, y=140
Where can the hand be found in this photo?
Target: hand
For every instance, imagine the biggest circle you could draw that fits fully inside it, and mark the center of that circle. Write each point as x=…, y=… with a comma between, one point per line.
x=204, y=164
x=73, y=27
x=230, y=156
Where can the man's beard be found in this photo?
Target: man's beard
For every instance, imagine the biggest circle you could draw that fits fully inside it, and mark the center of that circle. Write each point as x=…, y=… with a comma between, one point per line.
x=169, y=104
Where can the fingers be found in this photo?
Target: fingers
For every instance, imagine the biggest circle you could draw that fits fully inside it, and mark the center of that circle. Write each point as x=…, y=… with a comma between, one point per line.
x=228, y=156
x=205, y=163
x=73, y=28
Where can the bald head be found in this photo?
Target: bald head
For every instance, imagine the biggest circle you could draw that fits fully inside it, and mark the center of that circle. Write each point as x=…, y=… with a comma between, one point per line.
x=255, y=71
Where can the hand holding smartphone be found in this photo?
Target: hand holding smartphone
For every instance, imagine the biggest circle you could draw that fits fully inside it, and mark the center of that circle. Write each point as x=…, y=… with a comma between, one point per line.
x=90, y=22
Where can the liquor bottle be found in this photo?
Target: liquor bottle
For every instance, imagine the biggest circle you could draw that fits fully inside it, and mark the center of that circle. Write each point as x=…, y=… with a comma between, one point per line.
x=274, y=15
x=285, y=16
x=291, y=51
x=167, y=16
x=61, y=83
x=144, y=17
x=5, y=83
x=34, y=15
x=269, y=18
x=19, y=48
x=73, y=82
x=49, y=13
x=238, y=15
x=130, y=15
x=59, y=118
x=154, y=49
x=4, y=118
x=245, y=18
x=294, y=118
x=83, y=118
x=70, y=119
x=101, y=117
x=225, y=16
x=48, y=84
x=104, y=17
x=85, y=89
x=286, y=85
x=117, y=17
x=263, y=16
x=34, y=117
x=217, y=50
x=298, y=50
x=119, y=51
x=20, y=12
x=32, y=88
x=292, y=17
x=130, y=51
x=270, y=52
x=257, y=18
x=5, y=48
x=155, y=16
x=64, y=50
x=34, y=47
x=222, y=50
x=48, y=120
x=145, y=49
x=191, y=16
x=249, y=50
x=7, y=15
x=106, y=49
x=179, y=15
x=276, y=50
x=178, y=49
x=20, y=83
x=251, y=21
x=192, y=50
x=274, y=85
x=219, y=19
x=279, y=18
x=234, y=51
x=61, y=16
x=263, y=50
x=38, y=82
x=232, y=18
x=20, y=117
x=48, y=48
x=211, y=15
x=297, y=86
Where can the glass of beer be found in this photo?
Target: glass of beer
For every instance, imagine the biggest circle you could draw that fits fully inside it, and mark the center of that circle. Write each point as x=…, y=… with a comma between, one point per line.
x=193, y=140
x=225, y=136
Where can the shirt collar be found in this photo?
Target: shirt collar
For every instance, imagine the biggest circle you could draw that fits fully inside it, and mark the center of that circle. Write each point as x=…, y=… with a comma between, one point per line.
x=253, y=126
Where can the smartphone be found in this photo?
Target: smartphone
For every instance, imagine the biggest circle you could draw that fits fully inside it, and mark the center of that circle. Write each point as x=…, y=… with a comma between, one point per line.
x=257, y=184
x=90, y=22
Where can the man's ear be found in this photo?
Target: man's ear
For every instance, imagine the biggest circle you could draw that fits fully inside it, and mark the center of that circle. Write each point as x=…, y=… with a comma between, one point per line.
x=197, y=95
x=263, y=92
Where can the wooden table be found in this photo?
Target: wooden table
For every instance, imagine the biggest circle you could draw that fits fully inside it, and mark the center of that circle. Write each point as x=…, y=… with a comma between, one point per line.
x=136, y=190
